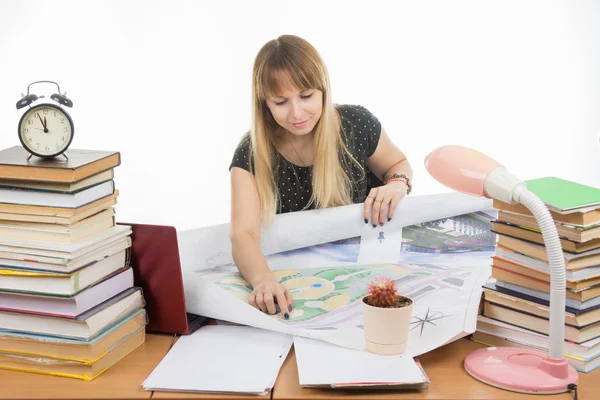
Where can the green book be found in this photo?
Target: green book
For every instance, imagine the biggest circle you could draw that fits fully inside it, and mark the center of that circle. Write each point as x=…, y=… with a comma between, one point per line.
x=562, y=195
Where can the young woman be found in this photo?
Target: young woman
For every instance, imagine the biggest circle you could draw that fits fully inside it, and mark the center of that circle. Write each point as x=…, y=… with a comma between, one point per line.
x=304, y=152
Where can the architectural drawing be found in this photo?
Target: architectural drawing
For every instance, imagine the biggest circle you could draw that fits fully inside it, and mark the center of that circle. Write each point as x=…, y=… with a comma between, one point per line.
x=442, y=265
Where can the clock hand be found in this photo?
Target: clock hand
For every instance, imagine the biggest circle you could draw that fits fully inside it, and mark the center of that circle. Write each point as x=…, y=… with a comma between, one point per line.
x=43, y=124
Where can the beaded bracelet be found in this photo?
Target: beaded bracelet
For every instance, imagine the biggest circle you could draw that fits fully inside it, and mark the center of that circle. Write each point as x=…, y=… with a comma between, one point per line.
x=401, y=177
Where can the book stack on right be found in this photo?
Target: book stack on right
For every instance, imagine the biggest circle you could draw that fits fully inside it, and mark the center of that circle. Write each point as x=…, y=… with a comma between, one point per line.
x=516, y=306
x=68, y=304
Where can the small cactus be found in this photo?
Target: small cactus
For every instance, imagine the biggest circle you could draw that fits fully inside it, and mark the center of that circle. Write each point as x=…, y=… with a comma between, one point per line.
x=383, y=293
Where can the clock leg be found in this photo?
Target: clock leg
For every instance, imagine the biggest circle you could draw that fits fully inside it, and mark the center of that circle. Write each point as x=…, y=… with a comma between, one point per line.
x=30, y=155
x=65, y=154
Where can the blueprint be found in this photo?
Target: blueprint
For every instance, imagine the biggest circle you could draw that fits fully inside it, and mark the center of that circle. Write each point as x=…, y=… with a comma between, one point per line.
x=440, y=263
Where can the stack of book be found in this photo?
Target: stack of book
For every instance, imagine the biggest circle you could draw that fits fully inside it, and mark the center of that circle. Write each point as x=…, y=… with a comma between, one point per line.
x=68, y=305
x=516, y=306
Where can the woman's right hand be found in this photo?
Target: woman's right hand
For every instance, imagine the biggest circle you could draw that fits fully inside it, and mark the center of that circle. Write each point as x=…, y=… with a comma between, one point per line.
x=267, y=293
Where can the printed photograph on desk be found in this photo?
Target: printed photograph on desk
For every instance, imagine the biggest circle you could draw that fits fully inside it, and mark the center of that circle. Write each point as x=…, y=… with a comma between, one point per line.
x=438, y=261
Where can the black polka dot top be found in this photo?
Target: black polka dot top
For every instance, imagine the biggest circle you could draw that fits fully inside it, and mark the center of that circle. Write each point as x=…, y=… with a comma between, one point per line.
x=360, y=130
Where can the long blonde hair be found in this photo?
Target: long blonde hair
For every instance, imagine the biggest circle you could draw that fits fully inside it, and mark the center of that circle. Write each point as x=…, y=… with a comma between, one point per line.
x=331, y=182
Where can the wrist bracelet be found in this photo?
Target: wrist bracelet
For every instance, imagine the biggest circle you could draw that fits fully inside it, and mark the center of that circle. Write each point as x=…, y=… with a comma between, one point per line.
x=402, y=177
x=397, y=180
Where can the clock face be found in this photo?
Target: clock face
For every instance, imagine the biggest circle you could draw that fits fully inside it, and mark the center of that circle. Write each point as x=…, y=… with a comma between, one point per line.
x=46, y=130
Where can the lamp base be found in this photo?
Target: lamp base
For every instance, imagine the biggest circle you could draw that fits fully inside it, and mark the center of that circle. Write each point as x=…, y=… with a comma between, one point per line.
x=520, y=370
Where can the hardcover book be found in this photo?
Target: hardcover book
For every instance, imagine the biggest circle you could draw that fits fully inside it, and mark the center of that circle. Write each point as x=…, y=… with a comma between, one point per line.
x=80, y=164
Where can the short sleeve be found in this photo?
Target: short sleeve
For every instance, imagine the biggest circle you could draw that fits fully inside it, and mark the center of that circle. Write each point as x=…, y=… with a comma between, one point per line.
x=241, y=156
x=364, y=126
x=371, y=128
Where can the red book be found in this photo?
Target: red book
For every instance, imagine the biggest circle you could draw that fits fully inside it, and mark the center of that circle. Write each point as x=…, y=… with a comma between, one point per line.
x=157, y=270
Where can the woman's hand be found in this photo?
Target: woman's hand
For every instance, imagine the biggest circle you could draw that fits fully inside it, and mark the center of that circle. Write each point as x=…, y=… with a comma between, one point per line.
x=382, y=201
x=267, y=293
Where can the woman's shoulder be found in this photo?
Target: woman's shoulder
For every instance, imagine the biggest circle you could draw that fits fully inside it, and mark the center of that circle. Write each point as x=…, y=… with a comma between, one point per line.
x=241, y=156
x=353, y=111
x=245, y=140
x=358, y=118
x=244, y=143
x=359, y=125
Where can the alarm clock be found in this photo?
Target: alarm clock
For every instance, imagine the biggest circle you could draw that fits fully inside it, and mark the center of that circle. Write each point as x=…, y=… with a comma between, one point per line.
x=45, y=130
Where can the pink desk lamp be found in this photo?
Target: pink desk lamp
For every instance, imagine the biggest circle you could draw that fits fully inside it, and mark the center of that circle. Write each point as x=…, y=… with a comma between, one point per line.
x=468, y=171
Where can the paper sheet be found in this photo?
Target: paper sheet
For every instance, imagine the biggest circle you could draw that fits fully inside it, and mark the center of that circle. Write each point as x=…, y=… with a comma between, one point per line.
x=222, y=358
x=441, y=263
x=210, y=247
x=324, y=364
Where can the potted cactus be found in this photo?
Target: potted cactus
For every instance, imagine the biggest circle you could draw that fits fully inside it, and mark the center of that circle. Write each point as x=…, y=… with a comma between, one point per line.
x=386, y=317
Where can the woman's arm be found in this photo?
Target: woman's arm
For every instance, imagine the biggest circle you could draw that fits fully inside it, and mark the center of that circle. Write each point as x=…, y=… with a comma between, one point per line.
x=245, y=227
x=245, y=243
x=386, y=161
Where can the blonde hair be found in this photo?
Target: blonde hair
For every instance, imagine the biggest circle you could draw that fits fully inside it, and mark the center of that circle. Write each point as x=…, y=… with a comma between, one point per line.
x=331, y=181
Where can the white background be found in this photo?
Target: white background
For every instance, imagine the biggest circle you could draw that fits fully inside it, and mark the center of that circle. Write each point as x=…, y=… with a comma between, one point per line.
x=167, y=83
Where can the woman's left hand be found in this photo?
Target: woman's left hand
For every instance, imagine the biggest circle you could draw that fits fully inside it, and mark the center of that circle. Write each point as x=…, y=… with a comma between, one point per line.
x=382, y=201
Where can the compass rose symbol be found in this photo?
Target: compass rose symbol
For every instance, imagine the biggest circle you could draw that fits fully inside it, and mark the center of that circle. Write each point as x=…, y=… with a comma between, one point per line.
x=428, y=317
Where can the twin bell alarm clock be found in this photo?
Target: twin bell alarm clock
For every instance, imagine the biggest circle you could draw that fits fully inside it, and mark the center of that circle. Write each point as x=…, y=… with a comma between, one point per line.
x=45, y=130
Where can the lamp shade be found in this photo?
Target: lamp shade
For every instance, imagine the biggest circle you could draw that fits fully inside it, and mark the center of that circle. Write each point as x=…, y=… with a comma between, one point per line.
x=460, y=168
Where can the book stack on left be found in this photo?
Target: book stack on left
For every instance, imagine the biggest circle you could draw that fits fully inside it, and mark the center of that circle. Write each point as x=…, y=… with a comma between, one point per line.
x=516, y=307
x=68, y=304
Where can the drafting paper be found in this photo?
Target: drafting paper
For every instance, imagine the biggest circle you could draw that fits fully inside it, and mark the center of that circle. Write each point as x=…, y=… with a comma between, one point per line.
x=441, y=263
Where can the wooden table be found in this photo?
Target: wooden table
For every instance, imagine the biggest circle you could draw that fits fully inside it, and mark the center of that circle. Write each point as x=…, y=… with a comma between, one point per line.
x=449, y=380
x=123, y=381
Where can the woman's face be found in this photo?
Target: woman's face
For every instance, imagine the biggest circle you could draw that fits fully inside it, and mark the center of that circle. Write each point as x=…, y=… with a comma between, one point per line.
x=296, y=111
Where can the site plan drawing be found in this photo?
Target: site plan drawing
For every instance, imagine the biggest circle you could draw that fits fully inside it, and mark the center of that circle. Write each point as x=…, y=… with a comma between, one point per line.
x=440, y=263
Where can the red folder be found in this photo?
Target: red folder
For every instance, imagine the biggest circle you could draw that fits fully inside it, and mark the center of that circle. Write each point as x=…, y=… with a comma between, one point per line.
x=157, y=270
